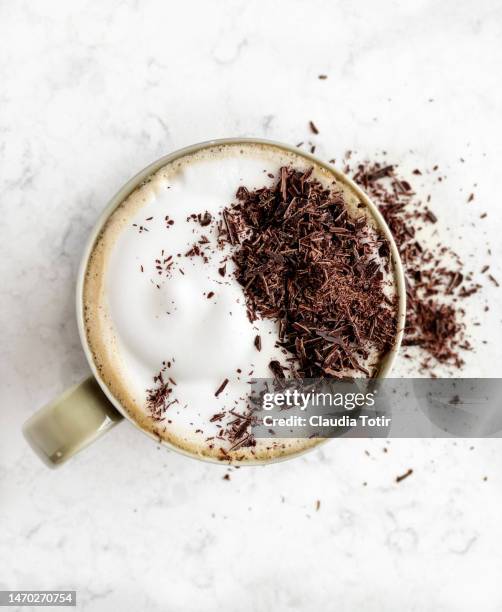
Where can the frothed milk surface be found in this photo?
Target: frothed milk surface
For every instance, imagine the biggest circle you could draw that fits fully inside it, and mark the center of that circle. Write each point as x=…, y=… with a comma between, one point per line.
x=153, y=304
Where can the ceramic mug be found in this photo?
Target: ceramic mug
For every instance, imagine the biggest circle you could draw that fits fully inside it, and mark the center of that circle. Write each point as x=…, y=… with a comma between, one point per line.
x=84, y=412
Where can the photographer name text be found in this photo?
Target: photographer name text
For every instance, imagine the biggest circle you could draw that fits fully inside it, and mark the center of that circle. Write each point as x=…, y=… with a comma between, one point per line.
x=318, y=420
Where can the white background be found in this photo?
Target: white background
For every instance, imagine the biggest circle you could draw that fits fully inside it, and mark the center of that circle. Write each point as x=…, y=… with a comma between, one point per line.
x=92, y=92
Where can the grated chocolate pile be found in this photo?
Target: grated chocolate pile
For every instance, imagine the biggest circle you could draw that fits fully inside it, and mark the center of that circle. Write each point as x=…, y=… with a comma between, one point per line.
x=303, y=261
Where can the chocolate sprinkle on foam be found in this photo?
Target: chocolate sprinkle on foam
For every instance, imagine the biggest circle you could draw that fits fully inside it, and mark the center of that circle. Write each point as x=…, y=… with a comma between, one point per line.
x=158, y=398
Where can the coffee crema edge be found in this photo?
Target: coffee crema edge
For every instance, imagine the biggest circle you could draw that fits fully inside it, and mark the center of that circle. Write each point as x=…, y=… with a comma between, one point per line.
x=98, y=326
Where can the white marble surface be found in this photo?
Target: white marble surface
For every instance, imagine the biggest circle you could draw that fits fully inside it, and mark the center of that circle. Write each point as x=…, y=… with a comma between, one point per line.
x=89, y=94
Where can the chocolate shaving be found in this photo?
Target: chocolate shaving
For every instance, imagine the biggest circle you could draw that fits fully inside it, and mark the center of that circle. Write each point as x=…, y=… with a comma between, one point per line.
x=431, y=216
x=276, y=369
x=403, y=476
x=217, y=417
x=221, y=387
x=313, y=128
x=204, y=219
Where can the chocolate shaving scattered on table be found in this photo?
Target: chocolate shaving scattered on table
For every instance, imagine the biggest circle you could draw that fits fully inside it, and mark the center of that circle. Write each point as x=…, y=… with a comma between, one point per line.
x=434, y=274
x=494, y=280
x=221, y=387
x=400, y=478
x=305, y=262
x=313, y=127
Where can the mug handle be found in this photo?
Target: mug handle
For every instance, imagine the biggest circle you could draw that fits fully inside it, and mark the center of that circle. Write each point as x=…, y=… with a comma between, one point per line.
x=70, y=423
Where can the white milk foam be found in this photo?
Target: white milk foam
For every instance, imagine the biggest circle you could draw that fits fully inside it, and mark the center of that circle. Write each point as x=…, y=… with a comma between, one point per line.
x=138, y=318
